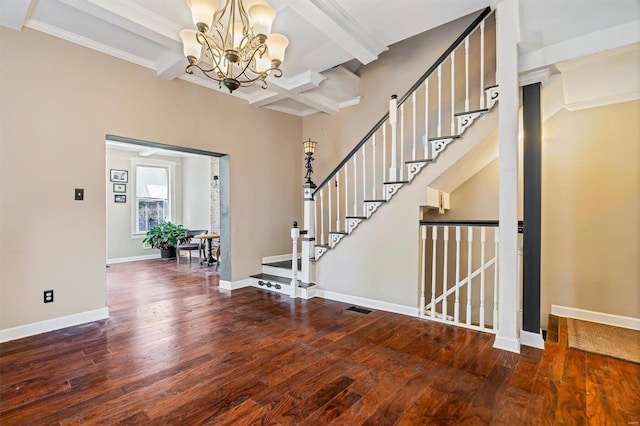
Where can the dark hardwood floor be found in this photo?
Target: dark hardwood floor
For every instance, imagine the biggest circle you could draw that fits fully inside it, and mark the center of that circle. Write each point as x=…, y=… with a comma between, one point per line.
x=177, y=350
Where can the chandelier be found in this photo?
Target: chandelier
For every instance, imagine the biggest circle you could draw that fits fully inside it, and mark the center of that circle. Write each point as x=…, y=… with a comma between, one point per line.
x=234, y=45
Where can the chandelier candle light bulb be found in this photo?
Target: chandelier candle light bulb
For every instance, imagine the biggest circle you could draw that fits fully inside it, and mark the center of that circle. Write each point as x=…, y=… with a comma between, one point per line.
x=239, y=48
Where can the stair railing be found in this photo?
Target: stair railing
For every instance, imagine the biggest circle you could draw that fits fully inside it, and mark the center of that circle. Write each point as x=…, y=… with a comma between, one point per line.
x=410, y=135
x=459, y=273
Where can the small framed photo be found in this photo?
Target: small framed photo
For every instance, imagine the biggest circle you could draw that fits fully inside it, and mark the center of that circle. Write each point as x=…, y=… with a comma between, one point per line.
x=119, y=187
x=119, y=198
x=119, y=176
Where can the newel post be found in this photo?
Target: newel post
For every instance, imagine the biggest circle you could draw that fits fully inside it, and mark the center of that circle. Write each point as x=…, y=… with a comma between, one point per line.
x=309, y=237
x=295, y=234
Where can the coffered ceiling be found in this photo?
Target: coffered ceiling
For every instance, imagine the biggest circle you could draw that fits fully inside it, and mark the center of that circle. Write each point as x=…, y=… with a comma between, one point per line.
x=329, y=39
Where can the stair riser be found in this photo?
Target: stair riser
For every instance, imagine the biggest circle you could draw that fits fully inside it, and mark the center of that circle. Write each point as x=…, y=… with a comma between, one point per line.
x=279, y=272
x=303, y=293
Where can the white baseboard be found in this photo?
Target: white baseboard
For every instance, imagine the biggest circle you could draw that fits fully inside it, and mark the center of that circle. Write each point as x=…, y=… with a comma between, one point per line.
x=133, y=258
x=278, y=258
x=234, y=285
x=600, y=317
x=367, y=303
x=533, y=340
x=53, y=324
x=507, y=344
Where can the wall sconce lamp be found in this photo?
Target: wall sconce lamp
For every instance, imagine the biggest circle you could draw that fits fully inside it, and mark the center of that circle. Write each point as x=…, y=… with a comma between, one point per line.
x=309, y=149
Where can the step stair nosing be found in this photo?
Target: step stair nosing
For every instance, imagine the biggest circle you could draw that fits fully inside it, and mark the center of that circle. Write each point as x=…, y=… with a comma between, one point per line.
x=457, y=114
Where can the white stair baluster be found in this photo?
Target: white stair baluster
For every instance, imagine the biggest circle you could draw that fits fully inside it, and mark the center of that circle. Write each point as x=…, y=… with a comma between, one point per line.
x=453, y=92
x=495, y=279
x=355, y=184
x=384, y=152
x=456, y=306
x=321, y=217
x=483, y=243
x=466, y=74
x=338, y=203
x=426, y=119
x=315, y=216
x=346, y=189
x=413, y=101
x=329, y=195
x=482, y=65
x=373, y=168
x=439, y=129
x=393, y=121
x=445, y=275
x=423, y=269
x=434, y=237
x=469, y=254
x=401, y=142
x=364, y=172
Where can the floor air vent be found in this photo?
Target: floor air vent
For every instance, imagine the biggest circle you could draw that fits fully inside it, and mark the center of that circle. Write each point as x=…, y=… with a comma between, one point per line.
x=359, y=310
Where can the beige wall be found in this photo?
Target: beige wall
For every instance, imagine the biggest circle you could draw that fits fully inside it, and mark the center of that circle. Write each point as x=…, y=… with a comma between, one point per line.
x=58, y=101
x=590, y=209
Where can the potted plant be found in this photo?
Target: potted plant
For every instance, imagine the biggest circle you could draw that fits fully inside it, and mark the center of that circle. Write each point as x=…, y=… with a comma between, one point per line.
x=165, y=236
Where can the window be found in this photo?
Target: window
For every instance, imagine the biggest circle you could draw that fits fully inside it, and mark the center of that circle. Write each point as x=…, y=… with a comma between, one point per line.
x=152, y=196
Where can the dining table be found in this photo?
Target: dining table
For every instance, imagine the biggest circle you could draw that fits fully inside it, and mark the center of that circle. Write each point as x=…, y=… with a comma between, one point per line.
x=209, y=259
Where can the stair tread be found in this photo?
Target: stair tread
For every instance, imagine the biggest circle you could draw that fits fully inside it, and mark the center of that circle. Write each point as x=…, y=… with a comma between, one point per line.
x=426, y=160
x=355, y=217
x=281, y=280
x=327, y=246
x=470, y=112
x=338, y=232
x=491, y=87
x=283, y=264
x=374, y=201
x=444, y=137
x=398, y=181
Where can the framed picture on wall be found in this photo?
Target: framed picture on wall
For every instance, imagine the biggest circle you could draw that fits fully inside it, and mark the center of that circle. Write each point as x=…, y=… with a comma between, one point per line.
x=119, y=175
x=119, y=198
x=119, y=187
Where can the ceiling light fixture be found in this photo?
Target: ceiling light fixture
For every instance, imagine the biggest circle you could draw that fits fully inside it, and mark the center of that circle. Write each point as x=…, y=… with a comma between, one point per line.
x=239, y=48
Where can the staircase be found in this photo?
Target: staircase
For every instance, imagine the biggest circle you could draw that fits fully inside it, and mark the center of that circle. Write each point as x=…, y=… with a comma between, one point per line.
x=437, y=113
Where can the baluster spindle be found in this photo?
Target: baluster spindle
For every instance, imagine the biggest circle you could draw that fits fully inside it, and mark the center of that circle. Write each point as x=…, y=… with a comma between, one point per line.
x=364, y=172
x=384, y=152
x=483, y=241
x=423, y=269
x=456, y=305
x=329, y=196
x=445, y=270
x=401, y=142
x=338, y=203
x=322, y=216
x=439, y=129
x=469, y=254
x=346, y=190
x=482, y=65
x=453, y=91
x=393, y=121
x=434, y=237
x=355, y=184
x=315, y=217
x=495, y=279
x=413, y=102
x=425, y=144
x=466, y=74
x=373, y=168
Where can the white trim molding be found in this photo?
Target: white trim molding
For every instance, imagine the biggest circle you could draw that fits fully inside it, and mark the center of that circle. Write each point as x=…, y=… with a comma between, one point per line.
x=53, y=324
x=132, y=258
x=533, y=340
x=507, y=344
x=277, y=258
x=234, y=285
x=599, y=317
x=368, y=303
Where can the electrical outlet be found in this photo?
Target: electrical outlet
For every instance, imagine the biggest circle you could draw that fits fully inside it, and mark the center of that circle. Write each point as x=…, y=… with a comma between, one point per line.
x=48, y=296
x=79, y=194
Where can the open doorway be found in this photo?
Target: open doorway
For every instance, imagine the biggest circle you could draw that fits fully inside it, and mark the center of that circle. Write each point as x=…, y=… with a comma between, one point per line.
x=148, y=183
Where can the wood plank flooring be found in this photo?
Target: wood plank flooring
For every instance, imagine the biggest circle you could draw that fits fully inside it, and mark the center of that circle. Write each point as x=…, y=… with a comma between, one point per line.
x=177, y=350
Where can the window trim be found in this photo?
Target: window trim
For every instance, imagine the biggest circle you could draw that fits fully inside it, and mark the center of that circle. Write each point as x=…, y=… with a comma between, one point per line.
x=171, y=175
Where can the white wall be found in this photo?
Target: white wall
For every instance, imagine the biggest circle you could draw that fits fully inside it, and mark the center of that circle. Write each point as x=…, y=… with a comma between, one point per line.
x=196, y=192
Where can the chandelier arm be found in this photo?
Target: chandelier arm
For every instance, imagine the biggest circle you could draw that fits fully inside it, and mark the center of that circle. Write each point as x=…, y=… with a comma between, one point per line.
x=205, y=72
x=216, y=63
x=205, y=39
x=250, y=59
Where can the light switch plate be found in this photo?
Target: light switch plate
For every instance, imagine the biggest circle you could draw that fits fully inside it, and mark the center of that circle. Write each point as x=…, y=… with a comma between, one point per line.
x=79, y=194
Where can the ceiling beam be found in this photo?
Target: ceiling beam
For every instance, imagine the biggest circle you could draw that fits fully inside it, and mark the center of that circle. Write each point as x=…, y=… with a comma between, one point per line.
x=170, y=65
x=13, y=13
x=332, y=20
